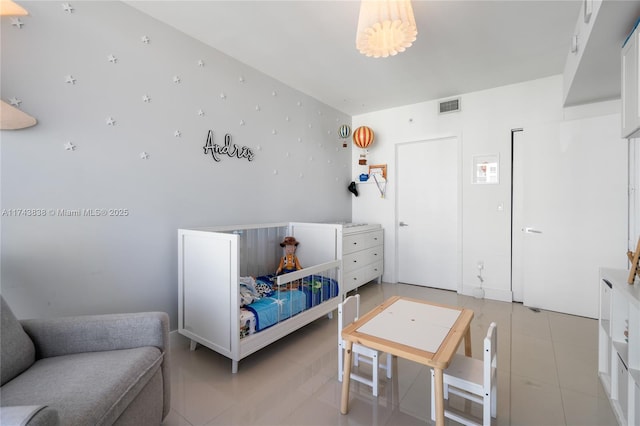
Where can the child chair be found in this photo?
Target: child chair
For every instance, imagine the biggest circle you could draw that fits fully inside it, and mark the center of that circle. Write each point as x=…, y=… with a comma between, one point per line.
x=348, y=312
x=473, y=379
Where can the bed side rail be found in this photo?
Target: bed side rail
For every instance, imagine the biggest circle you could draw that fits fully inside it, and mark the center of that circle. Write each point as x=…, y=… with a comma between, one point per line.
x=316, y=269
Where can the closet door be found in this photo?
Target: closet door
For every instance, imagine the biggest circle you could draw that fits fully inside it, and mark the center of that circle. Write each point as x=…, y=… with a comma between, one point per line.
x=573, y=216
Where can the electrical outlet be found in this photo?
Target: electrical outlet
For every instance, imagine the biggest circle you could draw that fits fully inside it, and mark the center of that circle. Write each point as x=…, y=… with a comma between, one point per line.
x=480, y=265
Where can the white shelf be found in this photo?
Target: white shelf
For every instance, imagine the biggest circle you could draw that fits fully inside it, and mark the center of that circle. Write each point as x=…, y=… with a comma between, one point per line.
x=623, y=350
x=635, y=374
x=619, y=359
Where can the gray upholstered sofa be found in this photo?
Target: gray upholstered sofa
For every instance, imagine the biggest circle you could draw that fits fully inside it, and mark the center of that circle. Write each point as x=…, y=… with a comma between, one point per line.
x=84, y=370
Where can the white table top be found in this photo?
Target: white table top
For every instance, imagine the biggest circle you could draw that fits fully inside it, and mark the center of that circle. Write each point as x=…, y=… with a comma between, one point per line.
x=418, y=325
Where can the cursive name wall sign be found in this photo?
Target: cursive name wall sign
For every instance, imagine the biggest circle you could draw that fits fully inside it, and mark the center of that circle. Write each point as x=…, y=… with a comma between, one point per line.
x=228, y=148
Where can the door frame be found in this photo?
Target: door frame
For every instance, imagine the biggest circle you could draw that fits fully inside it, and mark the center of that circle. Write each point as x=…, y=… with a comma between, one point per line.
x=517, y=291
x=396, y=214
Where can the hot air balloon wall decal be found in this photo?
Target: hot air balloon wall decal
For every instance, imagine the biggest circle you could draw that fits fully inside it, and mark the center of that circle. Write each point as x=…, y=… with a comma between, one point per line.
x=363, y=138
x=344, y=132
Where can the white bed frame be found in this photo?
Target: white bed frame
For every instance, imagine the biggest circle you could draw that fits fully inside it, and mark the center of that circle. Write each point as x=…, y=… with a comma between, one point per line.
x=211, y=261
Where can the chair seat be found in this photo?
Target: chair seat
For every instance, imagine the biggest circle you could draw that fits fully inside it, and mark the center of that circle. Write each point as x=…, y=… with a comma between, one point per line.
x=469, y=368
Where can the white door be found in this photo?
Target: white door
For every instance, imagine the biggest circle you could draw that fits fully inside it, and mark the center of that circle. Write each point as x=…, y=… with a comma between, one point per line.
x=427, y=207
x=572, y=217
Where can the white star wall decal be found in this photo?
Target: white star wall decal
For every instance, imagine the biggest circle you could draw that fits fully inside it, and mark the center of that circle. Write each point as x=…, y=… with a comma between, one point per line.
x=144, y=156
x=223, y=95
x=201, y=63
x=145, y=39
x=110, y=121
x=112, y=59
x=201, y=113
x=177, y=133
x=69, y=79
x=69, y=146
x=16, y=22
x=146, y=99
x=176, y=79
x=67, y=7
x=15, y=102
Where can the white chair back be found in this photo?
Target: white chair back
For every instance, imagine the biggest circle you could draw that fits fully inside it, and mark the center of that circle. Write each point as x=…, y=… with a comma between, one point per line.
x=348, y=313
x=490, y=357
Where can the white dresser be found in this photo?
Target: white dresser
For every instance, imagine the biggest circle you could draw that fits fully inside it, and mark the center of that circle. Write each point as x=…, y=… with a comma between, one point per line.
x=362, y=254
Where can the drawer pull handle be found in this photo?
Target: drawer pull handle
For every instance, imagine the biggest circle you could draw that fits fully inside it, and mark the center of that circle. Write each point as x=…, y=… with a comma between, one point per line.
x=355, y=261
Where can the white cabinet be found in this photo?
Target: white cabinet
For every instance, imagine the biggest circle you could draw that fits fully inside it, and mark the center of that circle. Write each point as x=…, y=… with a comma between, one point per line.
x=630, y=86
x=619, y=343
x=362, y=254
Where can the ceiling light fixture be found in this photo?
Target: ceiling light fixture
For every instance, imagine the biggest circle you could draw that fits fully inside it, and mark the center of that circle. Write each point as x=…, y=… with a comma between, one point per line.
x=385, y=27
x=11, y=118
x=10, y=8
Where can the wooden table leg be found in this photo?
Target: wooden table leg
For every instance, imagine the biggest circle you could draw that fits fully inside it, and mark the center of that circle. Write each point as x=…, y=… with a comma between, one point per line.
x=439, y=396
x=467, y=342
x=346, y=377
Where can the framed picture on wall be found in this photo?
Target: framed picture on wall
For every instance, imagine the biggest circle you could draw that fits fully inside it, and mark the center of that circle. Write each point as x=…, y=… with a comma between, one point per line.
x=379, y=170
x=486, y=169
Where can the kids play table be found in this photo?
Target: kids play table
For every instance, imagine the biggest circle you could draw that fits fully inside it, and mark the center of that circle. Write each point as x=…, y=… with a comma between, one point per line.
x=417, y=330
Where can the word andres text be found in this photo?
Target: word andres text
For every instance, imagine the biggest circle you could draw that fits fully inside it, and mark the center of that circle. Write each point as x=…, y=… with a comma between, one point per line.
x=229, y=149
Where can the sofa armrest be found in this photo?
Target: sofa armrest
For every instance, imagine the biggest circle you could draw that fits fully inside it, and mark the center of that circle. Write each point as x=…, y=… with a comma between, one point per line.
x=30, y=415
x=94, y=333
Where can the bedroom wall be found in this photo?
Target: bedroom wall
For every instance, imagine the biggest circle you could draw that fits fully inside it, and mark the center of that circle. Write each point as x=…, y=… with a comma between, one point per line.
x=124, y=105
x=484, y=127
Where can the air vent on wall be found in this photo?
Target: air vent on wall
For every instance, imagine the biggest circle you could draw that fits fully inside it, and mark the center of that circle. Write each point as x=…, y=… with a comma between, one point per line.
x=451, y=105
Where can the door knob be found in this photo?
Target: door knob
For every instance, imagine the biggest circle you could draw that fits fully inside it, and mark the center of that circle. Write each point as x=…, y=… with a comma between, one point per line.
x=532, y=231
x=403, y=224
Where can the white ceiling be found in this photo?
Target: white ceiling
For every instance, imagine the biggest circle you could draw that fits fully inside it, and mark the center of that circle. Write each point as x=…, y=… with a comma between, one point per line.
x=462, y=46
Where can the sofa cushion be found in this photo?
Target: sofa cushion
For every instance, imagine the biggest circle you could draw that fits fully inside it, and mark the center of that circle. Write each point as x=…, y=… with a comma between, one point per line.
x=88, y=388
x=17, y=352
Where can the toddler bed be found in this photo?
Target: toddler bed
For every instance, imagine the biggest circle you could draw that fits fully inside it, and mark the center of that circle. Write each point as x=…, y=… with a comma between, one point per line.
x=230, y=301
x=268, y=307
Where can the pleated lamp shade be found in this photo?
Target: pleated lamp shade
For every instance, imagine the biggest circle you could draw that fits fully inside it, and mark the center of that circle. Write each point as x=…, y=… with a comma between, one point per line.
x=385, y=27
x=10, y=8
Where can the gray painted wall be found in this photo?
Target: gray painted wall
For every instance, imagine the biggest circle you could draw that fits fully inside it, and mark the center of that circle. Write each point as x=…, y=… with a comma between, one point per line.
x=55, y=264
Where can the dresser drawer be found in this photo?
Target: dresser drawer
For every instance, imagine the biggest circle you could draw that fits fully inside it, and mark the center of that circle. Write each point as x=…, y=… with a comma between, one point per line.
x=360, y=259
x=356, y=242
x=363, y=275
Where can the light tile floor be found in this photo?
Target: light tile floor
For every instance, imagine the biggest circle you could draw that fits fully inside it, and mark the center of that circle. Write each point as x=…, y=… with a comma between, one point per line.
x=547, y=374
